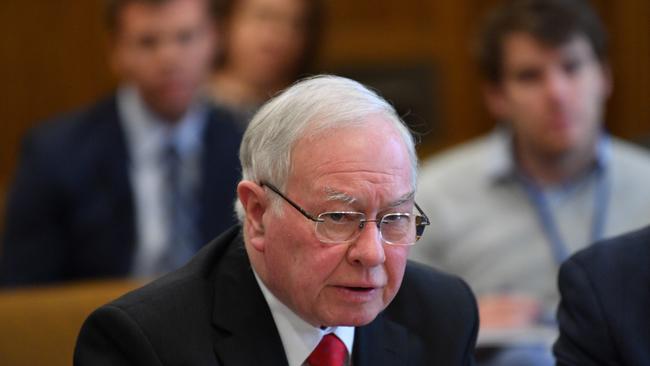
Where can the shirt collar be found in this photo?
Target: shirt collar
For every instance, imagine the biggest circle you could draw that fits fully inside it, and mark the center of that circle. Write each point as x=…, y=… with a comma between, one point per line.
x=300, y=338
x=147, y=133
x=501, y=164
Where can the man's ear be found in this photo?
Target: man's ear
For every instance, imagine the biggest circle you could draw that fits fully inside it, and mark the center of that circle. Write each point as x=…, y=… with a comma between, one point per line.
x=495, y=100
x=255, y=203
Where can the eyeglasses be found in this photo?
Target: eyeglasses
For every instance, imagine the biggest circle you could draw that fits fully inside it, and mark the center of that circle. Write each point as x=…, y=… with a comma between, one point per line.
x=336, y=227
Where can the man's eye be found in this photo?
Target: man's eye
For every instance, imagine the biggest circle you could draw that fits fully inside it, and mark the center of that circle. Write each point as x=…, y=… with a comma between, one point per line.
x=147, y=42
x=395, y=218
x=337, y=217
x=572, y=67
x=528, y=75
x=186, y=37
x=343, y=217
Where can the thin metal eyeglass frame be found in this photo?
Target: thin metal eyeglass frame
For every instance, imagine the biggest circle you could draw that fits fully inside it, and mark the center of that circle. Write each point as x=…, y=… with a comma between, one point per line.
x=419, y=228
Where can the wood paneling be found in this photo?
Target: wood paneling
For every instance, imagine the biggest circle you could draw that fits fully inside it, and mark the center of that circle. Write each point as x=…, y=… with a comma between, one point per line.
x=53, y=60
x=629, y=113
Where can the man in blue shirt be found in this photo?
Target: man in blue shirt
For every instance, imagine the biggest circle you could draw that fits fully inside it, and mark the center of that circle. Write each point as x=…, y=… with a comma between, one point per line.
x=507, y=208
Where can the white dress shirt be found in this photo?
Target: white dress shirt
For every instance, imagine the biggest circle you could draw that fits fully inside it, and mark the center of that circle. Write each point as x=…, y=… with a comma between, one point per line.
x=300, y=338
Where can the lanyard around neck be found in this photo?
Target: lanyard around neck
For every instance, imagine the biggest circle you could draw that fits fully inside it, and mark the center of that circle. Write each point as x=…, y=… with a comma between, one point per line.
x=558, y=246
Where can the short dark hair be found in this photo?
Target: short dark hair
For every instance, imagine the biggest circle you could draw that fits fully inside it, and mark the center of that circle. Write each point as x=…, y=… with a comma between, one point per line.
x=553, y=22
x=113, y=10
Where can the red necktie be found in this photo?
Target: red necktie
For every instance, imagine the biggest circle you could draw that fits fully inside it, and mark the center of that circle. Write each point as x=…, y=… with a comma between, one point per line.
x=331, y=351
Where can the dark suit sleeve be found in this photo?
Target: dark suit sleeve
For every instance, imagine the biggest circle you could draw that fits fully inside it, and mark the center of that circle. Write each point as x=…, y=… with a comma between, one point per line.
x=439, y=310
x=470, y=345
x=33, y=245
x=584, y=338
x=111, y=337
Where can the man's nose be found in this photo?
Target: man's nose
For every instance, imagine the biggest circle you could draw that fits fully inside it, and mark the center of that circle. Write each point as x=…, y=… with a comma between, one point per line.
x=557, y=84
x=168, y=52
x=368, y=249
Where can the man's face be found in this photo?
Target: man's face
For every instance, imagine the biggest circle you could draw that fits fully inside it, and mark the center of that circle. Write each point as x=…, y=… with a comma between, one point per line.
x=341, y=284
x=165, y=51
x=552, y=97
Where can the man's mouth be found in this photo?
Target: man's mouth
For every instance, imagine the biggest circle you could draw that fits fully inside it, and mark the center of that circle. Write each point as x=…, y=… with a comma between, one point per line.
x=358, y=293
x=359, y=289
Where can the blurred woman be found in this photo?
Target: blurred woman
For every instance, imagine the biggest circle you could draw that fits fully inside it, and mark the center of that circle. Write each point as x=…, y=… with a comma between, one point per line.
x=265, y=46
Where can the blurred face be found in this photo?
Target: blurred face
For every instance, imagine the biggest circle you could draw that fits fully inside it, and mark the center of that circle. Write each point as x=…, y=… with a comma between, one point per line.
x=165, y=51
x=340, y=284
x=552, y=97
x=266, y=39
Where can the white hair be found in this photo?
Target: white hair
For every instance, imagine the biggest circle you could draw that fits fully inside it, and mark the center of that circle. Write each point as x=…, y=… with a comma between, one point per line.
x=307, y=108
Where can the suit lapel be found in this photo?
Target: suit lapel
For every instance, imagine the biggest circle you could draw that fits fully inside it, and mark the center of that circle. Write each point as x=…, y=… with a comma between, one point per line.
x=247, y=332
x=111, y=188
x=118, y=163
x=220, y=173
x=382, y=342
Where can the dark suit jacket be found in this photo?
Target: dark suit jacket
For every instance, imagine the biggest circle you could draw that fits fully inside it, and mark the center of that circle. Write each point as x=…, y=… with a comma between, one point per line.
x=604, y=313
x=212, y=312
x=70, y=212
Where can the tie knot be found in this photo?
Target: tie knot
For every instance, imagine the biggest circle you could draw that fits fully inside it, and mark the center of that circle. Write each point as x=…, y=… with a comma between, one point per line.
x=331, y=351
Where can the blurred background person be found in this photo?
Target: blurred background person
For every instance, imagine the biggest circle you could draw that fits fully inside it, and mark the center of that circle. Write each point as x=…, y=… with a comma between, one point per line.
x=134, y=184
x=509, y=207
x=265, y=46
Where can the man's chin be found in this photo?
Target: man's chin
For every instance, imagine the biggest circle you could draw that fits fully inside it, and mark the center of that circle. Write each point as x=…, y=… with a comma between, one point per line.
x=352, y=319
x=558, y=145
x=173, y=110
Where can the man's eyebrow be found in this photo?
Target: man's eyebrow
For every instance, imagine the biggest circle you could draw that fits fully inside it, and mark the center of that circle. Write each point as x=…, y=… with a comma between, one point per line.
x=334, y=195
x=408, y=197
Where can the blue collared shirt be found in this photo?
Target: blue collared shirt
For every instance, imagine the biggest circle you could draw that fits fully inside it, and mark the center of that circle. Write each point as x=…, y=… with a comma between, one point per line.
x=147, y=135
x=485, y=228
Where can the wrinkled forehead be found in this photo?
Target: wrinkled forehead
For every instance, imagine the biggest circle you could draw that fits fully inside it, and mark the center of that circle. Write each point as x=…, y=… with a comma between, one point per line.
x=375, y=131
x=369, y=156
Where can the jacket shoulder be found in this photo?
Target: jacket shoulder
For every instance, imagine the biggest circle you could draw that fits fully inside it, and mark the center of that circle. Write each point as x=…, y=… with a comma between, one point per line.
x=75, y=124
x=67, y=147
x=171, y=316
x=610, y=256
x=185, y=284
x=439, y=313
x=224, y=121
x=431, y=284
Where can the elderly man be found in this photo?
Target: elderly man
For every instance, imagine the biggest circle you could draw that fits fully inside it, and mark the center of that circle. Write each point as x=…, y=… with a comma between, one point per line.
x=328, y=216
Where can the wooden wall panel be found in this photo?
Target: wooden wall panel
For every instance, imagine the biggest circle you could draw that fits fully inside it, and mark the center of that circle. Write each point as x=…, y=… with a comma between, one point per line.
x=629, y=113
x=53, y=60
